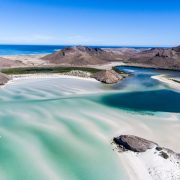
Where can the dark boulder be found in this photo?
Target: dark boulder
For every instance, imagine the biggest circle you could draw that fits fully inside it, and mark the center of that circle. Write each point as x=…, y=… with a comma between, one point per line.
x=134, y=143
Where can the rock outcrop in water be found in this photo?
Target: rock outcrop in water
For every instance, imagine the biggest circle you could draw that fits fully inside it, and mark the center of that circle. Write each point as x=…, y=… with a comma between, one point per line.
x=107, y=76
x=80, y=56
x=4, y=79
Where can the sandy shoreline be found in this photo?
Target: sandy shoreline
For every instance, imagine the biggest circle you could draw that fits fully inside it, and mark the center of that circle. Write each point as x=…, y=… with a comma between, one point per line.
x=15, y=78
x=168, y=81
x=150, y=166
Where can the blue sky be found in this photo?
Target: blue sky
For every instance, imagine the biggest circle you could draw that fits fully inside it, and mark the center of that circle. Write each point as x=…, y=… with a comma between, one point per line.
x=90, y=22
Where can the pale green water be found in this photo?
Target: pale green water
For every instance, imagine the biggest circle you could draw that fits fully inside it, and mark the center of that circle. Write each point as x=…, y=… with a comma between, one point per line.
x=53, y=139
x=48, y=131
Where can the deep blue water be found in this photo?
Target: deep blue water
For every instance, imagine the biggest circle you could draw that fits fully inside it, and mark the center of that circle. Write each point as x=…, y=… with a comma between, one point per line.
x=37, y=49
x=27, y=49
x=142, y=93
x=158, y=100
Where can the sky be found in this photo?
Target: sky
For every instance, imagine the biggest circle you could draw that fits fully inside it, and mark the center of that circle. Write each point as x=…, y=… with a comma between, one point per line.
x=90, y=22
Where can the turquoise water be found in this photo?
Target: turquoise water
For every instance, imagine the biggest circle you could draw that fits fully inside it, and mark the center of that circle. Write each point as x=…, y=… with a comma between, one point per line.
x=46, y=133
x=28, y=49
x=62, y=128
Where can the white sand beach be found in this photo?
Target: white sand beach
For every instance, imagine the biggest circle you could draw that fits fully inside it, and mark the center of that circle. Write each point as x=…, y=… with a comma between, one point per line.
x=46, y=76
x=150, y=166
x=167, y=80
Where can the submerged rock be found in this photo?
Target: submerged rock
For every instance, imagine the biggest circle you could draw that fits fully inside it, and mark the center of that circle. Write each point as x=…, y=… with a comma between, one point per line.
x=134, y=143
x=4, y=78
x=107, y=76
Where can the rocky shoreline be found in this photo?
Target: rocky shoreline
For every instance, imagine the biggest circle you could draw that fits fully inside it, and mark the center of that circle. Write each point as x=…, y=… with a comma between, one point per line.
x=161, y=163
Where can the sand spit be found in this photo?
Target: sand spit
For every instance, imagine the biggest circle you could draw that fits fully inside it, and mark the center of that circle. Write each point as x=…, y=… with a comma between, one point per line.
x=172, y=82
x=46, y=76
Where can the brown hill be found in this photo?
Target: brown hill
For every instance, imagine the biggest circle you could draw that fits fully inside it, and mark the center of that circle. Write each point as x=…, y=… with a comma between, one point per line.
x=107, y=76
x=177, y=49
x=167, y=58
x=81, y=56
x=4, y=79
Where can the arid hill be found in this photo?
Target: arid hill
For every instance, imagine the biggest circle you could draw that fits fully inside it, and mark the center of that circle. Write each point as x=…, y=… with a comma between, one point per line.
x=177, y=49
x=9, y=63
x=123, y=53
x=81, y=56
x=107, y=76
x=4, y=79
x=167, y=58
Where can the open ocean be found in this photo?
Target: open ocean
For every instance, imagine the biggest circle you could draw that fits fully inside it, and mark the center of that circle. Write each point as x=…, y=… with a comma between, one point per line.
x=38, y=49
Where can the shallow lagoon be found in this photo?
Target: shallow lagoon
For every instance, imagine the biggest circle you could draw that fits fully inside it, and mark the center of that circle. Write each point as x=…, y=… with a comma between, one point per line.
x=62, y=128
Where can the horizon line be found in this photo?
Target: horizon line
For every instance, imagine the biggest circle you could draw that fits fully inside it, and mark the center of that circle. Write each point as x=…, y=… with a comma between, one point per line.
x=98, y=45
